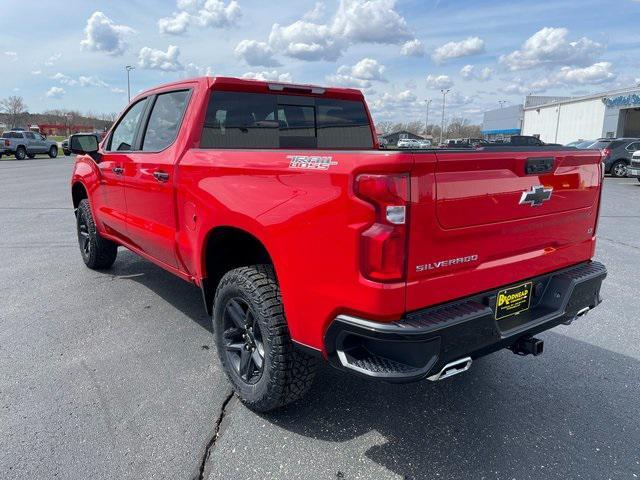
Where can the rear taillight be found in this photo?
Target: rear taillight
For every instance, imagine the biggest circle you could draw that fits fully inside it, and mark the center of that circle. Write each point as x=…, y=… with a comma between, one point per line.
x=384, y=243
x=606, y=152
x=7, y=143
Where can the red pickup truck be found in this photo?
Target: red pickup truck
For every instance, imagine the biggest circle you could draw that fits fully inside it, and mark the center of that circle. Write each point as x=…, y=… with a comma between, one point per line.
x=310, y=243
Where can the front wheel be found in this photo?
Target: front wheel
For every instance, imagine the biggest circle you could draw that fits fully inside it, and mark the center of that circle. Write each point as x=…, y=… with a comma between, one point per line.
x=253, y=342
x=53, y=151
x=97, y=253
x=619, y=169
x=21, y=153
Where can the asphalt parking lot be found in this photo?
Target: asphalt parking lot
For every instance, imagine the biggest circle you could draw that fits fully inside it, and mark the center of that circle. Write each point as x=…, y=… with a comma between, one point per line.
x=114, y=375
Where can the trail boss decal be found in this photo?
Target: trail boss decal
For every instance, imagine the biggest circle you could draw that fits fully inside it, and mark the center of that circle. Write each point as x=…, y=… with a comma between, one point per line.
x=311, y=162
x=445, y=263
x=511, y=301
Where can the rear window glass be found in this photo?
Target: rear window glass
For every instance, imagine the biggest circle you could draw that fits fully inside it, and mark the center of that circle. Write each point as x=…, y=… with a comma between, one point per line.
x=256, y=120
x=12, y=135
x=601, y=144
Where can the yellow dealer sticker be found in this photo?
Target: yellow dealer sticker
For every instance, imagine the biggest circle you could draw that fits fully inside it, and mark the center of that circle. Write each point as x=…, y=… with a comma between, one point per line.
x=513, y=300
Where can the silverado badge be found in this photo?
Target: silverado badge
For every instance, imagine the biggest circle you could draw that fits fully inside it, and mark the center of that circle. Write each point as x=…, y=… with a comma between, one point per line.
x=536, y=196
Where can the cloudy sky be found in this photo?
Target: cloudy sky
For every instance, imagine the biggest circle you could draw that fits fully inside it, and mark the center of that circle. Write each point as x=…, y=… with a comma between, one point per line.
x=72, y=53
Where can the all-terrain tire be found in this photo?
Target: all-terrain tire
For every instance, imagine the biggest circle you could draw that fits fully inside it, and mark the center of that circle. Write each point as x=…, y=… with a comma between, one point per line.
x=21, y=153
x=53, y=151
x=287, y=373
x=97, y=253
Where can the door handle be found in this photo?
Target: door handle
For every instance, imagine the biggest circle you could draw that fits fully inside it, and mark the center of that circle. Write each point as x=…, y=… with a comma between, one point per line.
x=118, y=170
x=161, y=176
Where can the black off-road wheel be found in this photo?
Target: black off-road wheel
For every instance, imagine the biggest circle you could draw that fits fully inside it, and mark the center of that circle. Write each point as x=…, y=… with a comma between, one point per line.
x=21, y=153
x=53, y=151
x=253, y=342
x=97, y=253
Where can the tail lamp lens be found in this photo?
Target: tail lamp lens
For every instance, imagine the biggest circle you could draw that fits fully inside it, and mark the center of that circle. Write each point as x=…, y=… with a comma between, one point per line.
x=384, y=243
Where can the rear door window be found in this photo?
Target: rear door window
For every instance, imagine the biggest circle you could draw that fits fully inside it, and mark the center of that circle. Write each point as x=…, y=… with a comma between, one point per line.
x=165, y=120
x=256, y=120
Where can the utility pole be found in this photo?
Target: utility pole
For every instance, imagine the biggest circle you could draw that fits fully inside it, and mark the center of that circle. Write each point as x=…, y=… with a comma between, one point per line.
x=426, y=124
x=129, y=68
x=444, y=99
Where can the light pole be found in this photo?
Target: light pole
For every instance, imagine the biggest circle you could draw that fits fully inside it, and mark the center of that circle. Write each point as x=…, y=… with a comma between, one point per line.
x=129, y=68
x=502, y=102
x=444, y=99
x=426, y=124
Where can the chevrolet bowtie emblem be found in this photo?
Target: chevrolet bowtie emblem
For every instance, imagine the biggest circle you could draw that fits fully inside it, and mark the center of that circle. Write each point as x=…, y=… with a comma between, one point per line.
x=536, y=196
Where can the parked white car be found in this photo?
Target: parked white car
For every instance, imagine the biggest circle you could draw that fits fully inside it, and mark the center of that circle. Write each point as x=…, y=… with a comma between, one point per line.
x=413, y=143
x=633, y=170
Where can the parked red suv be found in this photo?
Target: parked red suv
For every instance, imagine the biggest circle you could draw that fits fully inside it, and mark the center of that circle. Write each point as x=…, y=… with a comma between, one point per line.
x=309, y=243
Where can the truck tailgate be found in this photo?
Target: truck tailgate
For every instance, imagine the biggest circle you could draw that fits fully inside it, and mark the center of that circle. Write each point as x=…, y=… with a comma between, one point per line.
x=482, y=219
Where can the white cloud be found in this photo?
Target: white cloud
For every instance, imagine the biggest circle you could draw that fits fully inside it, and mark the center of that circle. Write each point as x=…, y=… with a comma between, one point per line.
x=13, y=56
x=439, y=81
x=215, y=13
x=316, y=13
x=193, y=69
x=202, y=13
x=305, y=41
x=548, y=47
x=373, y=21
x=64, y=79
x=53, y=59
x=360, y=75
x=154, y=59
x=596, y=74
x=55, y=92
x=118, y=90
x=464, y=48
x=592, y=75
x=174, y=25
x=412, y=48
x=355, y=21
x=269, y=75
x=256, y=53
x=388, y=104
x=103, y=35
x=36, y=72
x=469, y=72
x=91, y=82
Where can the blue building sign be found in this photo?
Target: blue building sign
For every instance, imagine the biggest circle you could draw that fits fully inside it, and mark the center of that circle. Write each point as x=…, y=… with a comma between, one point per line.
x=623, y=101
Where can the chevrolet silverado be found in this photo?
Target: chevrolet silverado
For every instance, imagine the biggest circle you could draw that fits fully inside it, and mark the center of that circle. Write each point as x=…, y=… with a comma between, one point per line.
x=309, y=243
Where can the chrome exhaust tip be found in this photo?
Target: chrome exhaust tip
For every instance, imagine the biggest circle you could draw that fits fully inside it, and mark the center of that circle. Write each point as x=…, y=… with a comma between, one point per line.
x=452, y=368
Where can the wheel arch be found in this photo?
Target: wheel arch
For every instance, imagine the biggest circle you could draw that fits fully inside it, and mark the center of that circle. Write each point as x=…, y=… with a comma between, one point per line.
x=225, y=248
x=78, y=193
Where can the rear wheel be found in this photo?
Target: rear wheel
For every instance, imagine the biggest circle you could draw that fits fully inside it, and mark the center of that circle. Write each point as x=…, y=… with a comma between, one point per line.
x=253, y=341
x=53, y=151
x=619, y=169
x=97, y=253
x=21, y=153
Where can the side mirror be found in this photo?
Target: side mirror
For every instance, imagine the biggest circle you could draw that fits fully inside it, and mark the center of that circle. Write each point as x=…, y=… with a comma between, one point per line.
x=83, y=144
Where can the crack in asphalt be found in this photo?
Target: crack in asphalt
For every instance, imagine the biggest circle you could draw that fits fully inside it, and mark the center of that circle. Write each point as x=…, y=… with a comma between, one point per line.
x=618, y=242
x=212, y=441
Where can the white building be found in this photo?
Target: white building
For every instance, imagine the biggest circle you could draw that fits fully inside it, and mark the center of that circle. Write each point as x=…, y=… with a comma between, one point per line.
x=608, y=114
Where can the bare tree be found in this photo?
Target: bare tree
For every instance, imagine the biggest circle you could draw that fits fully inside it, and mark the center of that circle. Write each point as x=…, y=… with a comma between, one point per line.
x=15, y=109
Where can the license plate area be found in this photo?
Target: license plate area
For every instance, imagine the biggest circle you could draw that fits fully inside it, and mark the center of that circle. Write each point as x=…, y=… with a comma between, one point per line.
x=513, y=300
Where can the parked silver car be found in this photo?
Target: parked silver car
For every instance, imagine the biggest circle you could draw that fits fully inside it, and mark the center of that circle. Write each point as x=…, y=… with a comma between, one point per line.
x=25, y=144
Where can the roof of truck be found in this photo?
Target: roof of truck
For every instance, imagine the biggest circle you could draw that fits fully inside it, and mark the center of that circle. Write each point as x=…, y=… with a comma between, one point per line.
x=261, y=86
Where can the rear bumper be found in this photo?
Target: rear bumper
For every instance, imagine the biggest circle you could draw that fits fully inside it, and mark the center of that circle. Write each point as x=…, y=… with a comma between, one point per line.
x=424, y=341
